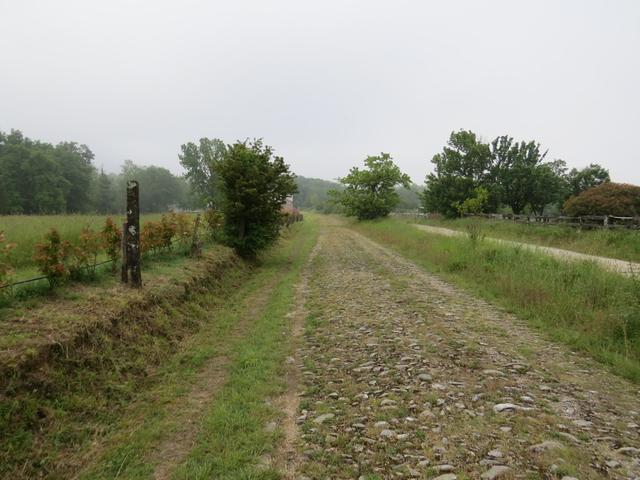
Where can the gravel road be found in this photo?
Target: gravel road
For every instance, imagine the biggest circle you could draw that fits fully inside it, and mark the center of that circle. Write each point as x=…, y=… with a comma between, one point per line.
x=405, y=376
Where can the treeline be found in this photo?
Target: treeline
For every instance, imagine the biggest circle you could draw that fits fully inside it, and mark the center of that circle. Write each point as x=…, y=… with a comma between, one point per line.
x=41, y=178
x=472, y=176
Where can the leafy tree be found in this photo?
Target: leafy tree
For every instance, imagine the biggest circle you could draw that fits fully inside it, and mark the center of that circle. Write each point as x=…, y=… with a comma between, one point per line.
x=464, y=165
x=589, y=177
x=547, y=185
x=31, y=178
x=76, y=167
x=105, y=200
x=371, y=192
x=606, y=199
x=199, y=161
x=254, y=185
x=475, y=204
x=523, y=178
x=159, y=188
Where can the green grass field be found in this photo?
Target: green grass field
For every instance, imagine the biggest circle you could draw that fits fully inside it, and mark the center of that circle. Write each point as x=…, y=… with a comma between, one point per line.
x=27, y=230
x=620, y=244
x=576, y=303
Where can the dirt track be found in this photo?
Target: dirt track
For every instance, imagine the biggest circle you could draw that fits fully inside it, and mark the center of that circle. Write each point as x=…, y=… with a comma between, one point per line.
x=405, y=376
x=612, y=264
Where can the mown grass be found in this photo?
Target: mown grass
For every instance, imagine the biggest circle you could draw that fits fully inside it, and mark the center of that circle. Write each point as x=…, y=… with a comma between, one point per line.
x=619, y=243
x=576, y=303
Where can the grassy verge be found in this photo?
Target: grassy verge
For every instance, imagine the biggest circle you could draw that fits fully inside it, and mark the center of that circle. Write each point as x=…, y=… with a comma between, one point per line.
x=110, y=400
x=231, y=434
x=620, y=244
x=575, y=303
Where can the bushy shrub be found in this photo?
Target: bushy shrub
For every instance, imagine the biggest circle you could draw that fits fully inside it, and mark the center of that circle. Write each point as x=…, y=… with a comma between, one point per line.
x=151, y=237
x=6, y=270
x=254, y=184
x=168, y=230
x=85, y=254
x=214, y=220
x=607, y=199
x=50, y=257
x=184, y=227
x=112, y=241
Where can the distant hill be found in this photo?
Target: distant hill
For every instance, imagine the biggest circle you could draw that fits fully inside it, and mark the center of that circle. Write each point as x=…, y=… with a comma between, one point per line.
x=312, y=194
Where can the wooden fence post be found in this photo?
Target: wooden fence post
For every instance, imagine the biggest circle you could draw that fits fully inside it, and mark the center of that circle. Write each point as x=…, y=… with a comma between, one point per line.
x=133, y=233
x=123, y=245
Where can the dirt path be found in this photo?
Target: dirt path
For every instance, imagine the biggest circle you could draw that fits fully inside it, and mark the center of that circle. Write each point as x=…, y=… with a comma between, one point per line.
x=612, y=264
x=405, y=376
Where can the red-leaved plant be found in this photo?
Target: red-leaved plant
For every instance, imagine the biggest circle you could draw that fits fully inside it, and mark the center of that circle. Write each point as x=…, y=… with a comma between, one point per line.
x=50, y=257
x=111, y=241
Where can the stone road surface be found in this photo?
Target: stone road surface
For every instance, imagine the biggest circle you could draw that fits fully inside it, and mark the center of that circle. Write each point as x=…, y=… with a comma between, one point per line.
x=404, y=376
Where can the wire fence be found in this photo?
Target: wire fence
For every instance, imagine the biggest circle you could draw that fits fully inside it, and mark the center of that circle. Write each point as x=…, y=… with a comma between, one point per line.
x=86, y=267
x=288, y=221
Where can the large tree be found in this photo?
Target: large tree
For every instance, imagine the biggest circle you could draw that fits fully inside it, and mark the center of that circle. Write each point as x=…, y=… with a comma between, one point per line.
x=371, y=192
x=75, y=163
x=586, y=178
x=160, y=190
x=254, y=184
x=32, y=180
x=547, y=185
x=464, y=165
x=519, y=173
x=199, y=161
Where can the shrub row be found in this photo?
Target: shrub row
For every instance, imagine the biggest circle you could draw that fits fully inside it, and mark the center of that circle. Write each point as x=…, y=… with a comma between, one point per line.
x=58, y=259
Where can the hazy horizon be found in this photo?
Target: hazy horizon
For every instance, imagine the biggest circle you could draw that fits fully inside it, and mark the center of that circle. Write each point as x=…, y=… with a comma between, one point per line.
x=325, y=84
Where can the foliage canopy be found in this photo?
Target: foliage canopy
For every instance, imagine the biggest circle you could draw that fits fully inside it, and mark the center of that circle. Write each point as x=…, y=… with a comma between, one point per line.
x=606, y=199
x=254, y=184
x=371, y=192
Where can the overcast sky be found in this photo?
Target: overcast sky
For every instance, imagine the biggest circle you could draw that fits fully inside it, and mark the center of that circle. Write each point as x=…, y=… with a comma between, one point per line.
x=325, y=82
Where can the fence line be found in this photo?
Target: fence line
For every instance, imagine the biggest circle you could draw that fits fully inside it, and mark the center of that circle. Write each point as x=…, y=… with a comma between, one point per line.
x=291, y=219
x=86, y=267
x=585, y=221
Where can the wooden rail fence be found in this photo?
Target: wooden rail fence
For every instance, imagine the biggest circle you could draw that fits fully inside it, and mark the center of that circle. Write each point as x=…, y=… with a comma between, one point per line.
x=586, y=221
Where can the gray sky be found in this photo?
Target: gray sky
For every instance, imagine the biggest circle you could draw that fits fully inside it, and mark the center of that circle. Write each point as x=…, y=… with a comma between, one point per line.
x=325, y=82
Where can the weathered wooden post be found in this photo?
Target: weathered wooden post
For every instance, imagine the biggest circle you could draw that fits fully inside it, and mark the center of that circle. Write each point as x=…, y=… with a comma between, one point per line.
x=133, y=233
x=123, y=246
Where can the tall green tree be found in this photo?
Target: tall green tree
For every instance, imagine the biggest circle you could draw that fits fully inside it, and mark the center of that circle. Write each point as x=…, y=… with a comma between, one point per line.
x=371, y=192
x=75, y=164
x=31, y=178
x=105, y=194
x=586, y=178
x=547, y=185
x=160, y=190
x=518, y=172
x=254, y=184
x=199, y=161
x=463, y=165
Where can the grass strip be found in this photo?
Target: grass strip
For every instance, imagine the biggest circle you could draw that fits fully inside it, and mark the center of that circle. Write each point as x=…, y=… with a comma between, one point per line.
x=619, y=243
x=233, y=436
x=575, y=303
